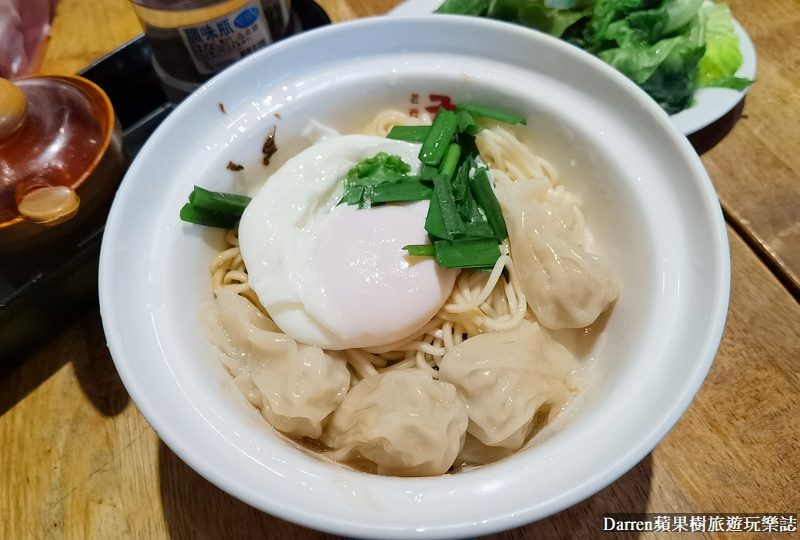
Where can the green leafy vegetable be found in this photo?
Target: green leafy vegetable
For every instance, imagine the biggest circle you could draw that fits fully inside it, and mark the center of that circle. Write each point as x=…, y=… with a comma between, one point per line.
x=464, y=222
x=664, y=70
x=732, y=83
x=640, y=62
x=464, y=7
x=670, y=48
x=381, y=168
x=678, y=13
x=366, y=175
x=546, y=15
x=565, y=4
x=722, y=59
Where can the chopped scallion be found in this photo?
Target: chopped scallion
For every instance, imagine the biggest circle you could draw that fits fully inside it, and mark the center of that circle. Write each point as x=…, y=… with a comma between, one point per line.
x=466, y=123
x=450, y=216
x=450, y=160
x=479, y=229
x=214, y=209
x=218, y=202
x=425, y=250
x=438, y=139
x=434, y=223
x=404, y=191
x=487, y=200
x=416, y=134
x=209, y=218
x=426, y=173
x=477, y=110
x=466, y=253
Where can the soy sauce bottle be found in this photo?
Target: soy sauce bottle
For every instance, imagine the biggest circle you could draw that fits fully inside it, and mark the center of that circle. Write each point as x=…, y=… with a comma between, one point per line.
x=191, y=40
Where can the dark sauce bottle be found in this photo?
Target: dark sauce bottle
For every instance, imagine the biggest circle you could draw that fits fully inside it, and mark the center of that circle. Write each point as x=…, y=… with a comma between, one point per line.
x=191, y=40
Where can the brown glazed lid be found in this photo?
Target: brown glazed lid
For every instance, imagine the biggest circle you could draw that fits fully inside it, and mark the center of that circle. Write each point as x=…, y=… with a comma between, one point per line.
x=53, y=133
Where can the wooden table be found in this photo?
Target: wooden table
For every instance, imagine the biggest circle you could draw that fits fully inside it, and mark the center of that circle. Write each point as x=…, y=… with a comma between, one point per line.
x=78, y=460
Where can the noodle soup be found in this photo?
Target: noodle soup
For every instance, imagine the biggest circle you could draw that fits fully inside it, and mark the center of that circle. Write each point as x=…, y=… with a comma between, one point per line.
x=645, y=197
x=442, y=368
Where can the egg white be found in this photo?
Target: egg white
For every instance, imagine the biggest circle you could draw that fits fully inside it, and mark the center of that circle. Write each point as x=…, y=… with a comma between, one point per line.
x=337, y=276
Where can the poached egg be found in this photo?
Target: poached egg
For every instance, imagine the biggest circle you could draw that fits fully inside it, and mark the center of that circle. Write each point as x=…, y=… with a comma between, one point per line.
x=337, y=276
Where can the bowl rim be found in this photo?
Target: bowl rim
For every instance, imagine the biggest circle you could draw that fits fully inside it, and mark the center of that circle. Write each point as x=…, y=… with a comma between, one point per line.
x=519, y=516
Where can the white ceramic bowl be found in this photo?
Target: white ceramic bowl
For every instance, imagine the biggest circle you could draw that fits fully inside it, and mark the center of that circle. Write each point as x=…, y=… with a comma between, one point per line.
x=647, y=198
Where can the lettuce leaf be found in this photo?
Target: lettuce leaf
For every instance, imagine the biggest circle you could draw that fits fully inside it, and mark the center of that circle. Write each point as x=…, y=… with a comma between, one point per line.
x=545, y=15
x=568, y=4
x=732, y=83
x=668, y=47
x=476, y=8
x=640, y=62
x=640, y=22
x=667, y=69
x=722, y=59
x=607, y=22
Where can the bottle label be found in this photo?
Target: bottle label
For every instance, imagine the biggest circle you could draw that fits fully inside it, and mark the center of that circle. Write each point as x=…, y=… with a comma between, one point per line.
x=218, y=43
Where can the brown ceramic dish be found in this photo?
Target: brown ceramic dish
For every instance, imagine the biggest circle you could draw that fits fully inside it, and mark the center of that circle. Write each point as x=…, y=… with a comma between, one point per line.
x=61, y=159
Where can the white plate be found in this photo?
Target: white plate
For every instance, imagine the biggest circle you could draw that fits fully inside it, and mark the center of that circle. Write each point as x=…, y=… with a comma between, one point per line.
x=711, y=103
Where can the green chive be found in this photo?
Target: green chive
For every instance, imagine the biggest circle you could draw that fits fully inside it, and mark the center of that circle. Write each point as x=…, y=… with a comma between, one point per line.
x=209, y=218
x=477, y=110
x=450, y=216
x=416, y=134
x=466, y=253
x=409, y=190
x=467, y=124
x=214, y=201
x=426, y=173
x=461, y=192
x=486, y=199
x=450, y=160
x=425, y=250
x=438, y=139
x=434, y=223
x=479, y=229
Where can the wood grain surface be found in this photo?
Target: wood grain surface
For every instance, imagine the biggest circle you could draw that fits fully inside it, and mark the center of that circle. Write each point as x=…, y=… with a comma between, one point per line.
x=757, y=169
x=78, y=460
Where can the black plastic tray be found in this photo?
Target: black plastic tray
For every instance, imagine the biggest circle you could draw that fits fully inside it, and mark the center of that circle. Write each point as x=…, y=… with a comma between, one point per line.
x=35, y=305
